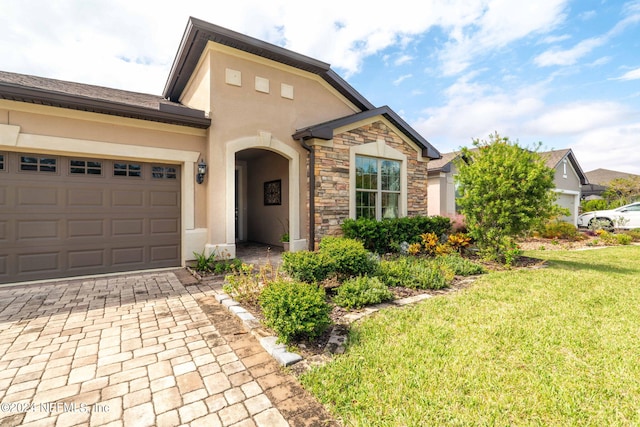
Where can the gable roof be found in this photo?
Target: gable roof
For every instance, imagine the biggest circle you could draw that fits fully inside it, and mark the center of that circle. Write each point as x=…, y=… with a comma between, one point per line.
x=325, y=130
x=97, y=99
x=554, y=157
x=605, y=176
x=198, y=33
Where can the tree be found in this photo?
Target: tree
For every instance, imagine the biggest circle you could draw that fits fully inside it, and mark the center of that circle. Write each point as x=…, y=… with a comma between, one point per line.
x=505, y=192
x=622, y=191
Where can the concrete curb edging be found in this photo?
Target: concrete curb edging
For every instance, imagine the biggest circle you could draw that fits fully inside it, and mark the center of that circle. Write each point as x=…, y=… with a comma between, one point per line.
x=268, y=342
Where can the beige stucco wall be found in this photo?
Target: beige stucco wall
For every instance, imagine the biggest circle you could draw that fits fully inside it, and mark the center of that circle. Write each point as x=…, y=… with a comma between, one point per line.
x=260, y=103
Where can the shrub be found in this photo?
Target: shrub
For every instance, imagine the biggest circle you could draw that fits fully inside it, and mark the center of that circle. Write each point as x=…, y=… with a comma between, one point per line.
x=388, y=234
x=460, y=266
x=557, y=229
x=635, y=234
x=347, y=257
x=307, y=266
x=594, y=205
x=245, y=285
x=295, y=310
x=360, y=291
x=415, y=273
x=458, y=241
x=430, y=242
x=623, y=239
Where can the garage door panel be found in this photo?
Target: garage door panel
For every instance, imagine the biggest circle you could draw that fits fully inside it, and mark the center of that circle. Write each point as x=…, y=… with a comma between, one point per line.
x=79, y=228
x=164, y=226
x=38, y=262
x=38, y=196
x=86, y=259
x=164, y=198
x=163, y=253
x=127, y=198
x=82, y=198
x=62, y=224
x=34, y=229
x=127, y=227
x=127, y=256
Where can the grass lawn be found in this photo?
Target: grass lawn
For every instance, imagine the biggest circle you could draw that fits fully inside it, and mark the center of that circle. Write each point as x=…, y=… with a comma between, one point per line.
x=555, y=346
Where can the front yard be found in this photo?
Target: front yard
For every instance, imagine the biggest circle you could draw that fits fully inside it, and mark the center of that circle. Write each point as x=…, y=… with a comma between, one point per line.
x=551, y=346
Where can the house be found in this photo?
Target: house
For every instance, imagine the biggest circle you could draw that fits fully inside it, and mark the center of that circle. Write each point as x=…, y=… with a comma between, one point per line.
x=599, y=180
x=248, y=141
x=569, y=180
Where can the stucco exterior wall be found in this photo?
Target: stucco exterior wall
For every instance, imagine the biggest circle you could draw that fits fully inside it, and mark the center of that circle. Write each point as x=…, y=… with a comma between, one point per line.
x=332, y=176
x=259, y=100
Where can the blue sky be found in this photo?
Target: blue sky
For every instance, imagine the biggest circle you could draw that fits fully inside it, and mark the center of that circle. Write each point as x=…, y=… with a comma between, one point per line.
x=566, y=73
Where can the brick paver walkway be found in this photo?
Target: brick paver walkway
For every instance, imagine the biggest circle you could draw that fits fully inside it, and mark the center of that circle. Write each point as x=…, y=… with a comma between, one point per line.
x=139, y=350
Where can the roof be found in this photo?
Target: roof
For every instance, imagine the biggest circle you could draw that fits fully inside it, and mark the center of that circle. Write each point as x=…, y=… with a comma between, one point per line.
x=325, y=130
x=554, y=157
x=605, y=176
x=97, y=99
x=198, y=33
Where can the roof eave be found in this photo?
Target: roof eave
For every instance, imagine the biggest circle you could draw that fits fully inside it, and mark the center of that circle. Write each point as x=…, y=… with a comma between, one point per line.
x=192, y=118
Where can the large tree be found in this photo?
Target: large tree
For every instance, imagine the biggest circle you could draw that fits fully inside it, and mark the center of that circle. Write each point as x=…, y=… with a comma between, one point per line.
x=505, y=191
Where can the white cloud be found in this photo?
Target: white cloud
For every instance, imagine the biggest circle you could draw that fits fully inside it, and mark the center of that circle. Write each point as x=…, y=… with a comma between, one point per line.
x=400, y=79
x=630, y=75
x=613, y=147
x=571, y=56
x=404, y=59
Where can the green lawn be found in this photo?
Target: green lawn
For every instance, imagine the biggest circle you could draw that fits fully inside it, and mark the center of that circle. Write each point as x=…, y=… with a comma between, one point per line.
x=556, y=346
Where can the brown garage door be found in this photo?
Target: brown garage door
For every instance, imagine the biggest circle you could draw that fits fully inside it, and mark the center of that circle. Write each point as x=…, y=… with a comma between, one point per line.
x=70, y=216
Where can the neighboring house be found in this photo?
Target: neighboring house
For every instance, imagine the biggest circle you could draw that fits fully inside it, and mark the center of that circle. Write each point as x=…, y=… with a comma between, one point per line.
x=599, y=180
x=96, y=180
x=569, y=180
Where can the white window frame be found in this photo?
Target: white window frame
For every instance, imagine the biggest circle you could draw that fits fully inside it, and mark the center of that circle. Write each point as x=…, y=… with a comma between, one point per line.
x=380, y=151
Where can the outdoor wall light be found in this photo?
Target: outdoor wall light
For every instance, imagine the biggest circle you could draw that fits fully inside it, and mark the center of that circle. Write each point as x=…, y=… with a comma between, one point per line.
x=202, y=170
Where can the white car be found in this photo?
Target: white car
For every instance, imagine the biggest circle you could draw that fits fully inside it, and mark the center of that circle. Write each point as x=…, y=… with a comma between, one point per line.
x=627, y=216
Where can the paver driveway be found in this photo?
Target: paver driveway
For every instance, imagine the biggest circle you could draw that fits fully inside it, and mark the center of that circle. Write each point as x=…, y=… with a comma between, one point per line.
x=136, y=350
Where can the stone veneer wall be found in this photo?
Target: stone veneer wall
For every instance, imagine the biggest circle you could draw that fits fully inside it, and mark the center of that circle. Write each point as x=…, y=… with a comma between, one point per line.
x=332, y=176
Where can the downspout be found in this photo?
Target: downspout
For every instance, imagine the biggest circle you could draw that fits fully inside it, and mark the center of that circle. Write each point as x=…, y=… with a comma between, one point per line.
x=312, y=192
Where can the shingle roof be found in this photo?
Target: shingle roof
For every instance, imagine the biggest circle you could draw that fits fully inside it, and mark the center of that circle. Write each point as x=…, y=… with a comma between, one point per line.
x=98, y=99
x=605, y=176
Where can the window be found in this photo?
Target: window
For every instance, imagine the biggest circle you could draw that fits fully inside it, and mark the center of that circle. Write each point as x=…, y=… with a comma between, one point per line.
x=127, y=169
x=377, y=188
x=85, y=167
x=163, y=172
x=38, y=164
x=1, y=162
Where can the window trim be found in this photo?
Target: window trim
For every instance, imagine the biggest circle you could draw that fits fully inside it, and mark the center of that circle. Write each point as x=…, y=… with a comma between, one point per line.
x=128, y=169
x=86, y=167
x=380, y=150
x=5, y=161
x=57, y=164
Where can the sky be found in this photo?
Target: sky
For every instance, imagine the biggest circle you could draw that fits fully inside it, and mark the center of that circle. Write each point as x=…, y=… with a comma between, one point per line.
x=560, y=72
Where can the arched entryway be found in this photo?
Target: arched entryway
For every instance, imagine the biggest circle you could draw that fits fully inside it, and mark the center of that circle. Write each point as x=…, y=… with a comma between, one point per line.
x=263, y=168
x=261, y=196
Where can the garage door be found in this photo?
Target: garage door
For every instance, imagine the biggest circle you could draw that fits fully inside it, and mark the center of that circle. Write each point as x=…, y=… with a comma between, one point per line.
x=568, y=201
x=69, y=216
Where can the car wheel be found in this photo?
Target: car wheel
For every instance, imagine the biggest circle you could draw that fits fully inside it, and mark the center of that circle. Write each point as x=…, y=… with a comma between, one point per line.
x=606, y=222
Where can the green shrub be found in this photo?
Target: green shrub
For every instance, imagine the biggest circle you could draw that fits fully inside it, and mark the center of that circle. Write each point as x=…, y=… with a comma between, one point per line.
x=415, y=273
x=594, y=205
x=295, y=310
x=360, y=291
x=557, y=229
x=460, y=266
x=306, y=266
x=623, y=239
x=348, y=257
x=386, y=235
x=634, y=233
